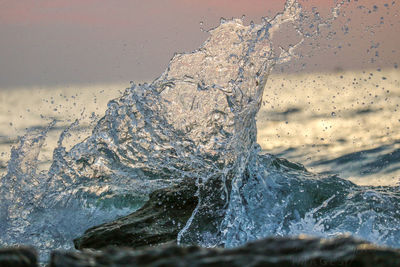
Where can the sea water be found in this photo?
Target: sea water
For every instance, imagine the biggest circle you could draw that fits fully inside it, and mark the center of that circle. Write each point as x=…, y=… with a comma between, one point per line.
x=196, y=121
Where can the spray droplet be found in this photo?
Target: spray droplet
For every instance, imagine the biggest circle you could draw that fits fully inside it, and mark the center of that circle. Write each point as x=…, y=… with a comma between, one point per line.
x=202, y=26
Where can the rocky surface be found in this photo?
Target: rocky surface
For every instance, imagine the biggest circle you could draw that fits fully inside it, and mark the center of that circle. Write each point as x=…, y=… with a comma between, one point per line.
x=300, y=251
x=167, y=212
x=157, y=222
x=18, y=257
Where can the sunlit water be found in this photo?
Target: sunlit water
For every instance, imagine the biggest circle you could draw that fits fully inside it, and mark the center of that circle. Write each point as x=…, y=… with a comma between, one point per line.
x=346, y=123
x=198, y=120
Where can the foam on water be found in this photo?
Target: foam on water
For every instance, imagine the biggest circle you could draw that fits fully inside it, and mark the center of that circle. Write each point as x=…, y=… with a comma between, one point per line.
x=196, y=121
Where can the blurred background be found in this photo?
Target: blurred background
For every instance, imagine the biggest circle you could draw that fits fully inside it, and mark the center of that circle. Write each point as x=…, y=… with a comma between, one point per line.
x=335, y=109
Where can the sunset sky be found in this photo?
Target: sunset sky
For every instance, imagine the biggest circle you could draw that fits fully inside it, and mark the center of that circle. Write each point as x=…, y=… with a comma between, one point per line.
x=63, y=42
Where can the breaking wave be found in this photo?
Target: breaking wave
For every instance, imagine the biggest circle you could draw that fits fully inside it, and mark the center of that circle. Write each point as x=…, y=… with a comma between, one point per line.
x=196, y=121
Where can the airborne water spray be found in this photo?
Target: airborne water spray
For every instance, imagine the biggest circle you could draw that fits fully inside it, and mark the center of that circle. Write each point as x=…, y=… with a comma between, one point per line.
x=196, y=121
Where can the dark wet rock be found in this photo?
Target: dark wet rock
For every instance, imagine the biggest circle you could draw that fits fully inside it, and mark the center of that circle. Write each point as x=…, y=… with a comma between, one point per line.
x=18, y=257
x=277, y=251
x=167, y=212
x=157, y=222
x=205, y=224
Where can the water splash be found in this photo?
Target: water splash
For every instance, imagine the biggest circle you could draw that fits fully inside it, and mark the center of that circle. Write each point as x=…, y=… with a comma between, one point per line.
x=279, y=198
x=196, y=121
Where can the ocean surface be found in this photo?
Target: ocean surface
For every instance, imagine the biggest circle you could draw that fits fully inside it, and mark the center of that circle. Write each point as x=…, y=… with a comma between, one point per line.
x=344, y=123
x=88, y=154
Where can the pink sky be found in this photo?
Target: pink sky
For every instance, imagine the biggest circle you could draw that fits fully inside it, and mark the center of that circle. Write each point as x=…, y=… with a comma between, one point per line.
x=91, y=12
x=55, y=42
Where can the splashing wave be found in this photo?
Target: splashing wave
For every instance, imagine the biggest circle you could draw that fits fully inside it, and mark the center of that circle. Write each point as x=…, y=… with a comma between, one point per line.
x=196, y=121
